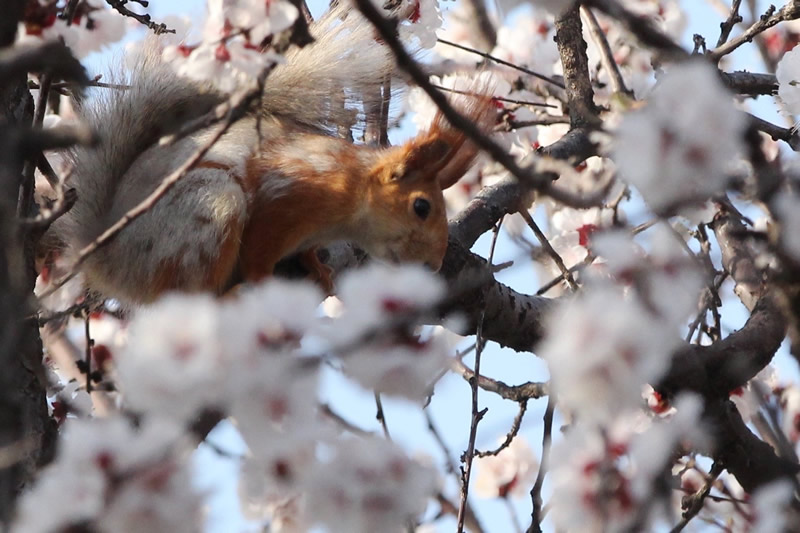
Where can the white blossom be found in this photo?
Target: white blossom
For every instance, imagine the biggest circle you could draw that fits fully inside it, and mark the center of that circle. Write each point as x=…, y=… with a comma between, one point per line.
x=175, y=363
x=677, y=149
x=771, y=505
x=602, y=348
x=787, y=207
x=529, y=43
x=369, y=485
x=591, y=486
x=88, y=32
x=788, y=74
x=379, y=294
x=651, y=450
x=668, y=15
x=401, y=367
x=790, y=402
x=272, y=392
x=510, y=472
x=105, y=470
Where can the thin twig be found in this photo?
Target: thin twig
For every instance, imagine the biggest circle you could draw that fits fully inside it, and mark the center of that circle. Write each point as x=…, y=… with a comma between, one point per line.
x=158, y=28
x=512, y=433
x=606, y=54
x=471, y=520
x=536, y=491
x=543, y=120
x=530, y=390
x=788, y=135
x=549, y=249
x=27, y=187
x=726, y=27
x=477, y=413
x=380, y=416
x=93, y=83
x=769, y=19
x=588, y=260
x=87, y=362
x=64, y=201
x=503, y=62
x=72, y=311
x=344, y=423
x=497, y=98
x=694, y=503
x=47, y=171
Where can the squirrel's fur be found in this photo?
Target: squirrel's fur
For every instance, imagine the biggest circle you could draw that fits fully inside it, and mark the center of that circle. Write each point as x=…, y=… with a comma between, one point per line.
x=276, y=183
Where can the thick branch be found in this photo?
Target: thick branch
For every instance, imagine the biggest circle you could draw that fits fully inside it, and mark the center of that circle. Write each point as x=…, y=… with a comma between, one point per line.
x=572, y=49
x=729, y=363
x=511, y=319
x=750, y=83
x=24, y=421
x=751, y=460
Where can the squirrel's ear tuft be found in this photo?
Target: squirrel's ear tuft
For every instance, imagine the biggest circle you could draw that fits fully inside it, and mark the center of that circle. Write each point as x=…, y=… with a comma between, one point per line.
x=426, y=158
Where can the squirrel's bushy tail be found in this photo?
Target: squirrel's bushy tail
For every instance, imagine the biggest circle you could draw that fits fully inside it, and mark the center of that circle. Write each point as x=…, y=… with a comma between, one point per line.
x=322, y=86
x=325, y=83
x=127, y=122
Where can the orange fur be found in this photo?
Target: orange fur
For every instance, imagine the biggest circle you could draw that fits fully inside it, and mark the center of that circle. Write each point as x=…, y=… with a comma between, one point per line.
x=306, y=190
x=367, y=196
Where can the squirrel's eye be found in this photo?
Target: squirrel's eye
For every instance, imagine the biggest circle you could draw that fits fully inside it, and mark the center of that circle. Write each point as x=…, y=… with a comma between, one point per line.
x=422, y=208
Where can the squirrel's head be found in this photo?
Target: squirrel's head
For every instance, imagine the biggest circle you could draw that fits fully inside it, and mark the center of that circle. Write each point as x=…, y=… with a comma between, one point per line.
x=406, y=205
x=407, y=217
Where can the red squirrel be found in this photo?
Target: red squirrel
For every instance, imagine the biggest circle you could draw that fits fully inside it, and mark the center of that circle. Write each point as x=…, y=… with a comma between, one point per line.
x=277, y=183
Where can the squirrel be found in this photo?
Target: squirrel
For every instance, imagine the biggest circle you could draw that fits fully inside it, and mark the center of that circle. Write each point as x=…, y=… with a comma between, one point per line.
x=277, y=183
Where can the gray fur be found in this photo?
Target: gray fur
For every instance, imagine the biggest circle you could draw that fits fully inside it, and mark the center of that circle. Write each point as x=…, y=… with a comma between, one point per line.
x=128, y=165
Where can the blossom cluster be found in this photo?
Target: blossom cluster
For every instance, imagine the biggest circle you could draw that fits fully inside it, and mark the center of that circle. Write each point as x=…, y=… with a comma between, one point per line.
x=93, y=25
x=257, y=359
x=678, y=150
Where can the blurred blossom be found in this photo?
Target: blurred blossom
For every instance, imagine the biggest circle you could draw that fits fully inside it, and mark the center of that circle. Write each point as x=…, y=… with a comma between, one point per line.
x=677, y=149
x=790, y=403
x=231, y=54
x=772, y=506
x=405, y=368
x=368, y=485
x=602, y=477
x=787, y=208
x=528, y=42
x=380, y=294
x=668, y=15
x=509, y=473
x=788, y=74
x=180, y=337
x=107, y=471
x=751, y=397
x=602, y=348
x=556, y=7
